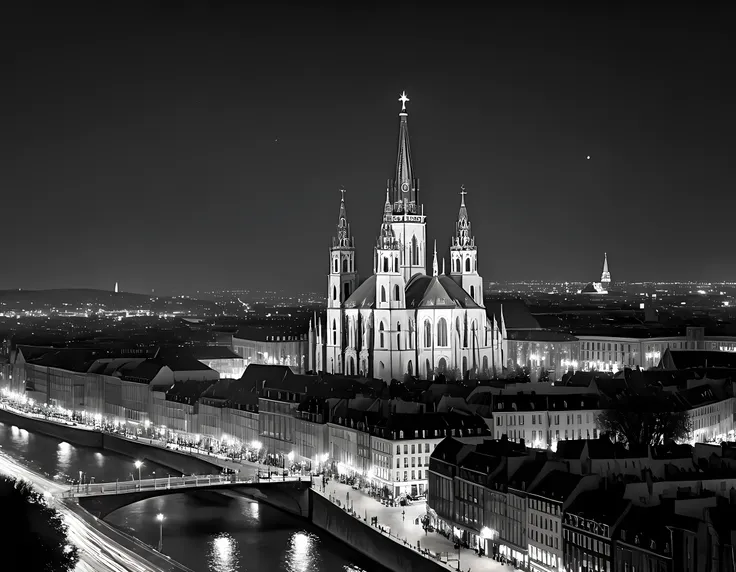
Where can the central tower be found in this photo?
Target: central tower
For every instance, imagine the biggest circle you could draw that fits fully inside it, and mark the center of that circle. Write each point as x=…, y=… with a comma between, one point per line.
x=407, y=215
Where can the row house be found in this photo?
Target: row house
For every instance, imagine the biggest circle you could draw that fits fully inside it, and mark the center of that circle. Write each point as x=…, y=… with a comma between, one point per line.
x=228, y=412
x=588, y=530
x=280, y=393
x=546, y=505
x=480, y=490
x=411, y=439
x=544, y=420
x=710, y=407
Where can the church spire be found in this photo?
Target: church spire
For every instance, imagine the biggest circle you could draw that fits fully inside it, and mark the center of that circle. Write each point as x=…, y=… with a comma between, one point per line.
x=463, y=236
x=434, y=262
x=404, y=185
x=343, y=239
x=605, y=275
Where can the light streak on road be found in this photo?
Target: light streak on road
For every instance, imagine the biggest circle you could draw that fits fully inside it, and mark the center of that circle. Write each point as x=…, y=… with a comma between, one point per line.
x=96, y=552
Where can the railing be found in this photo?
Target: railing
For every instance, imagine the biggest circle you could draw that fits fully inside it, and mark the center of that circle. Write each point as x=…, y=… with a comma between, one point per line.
x=193, y=481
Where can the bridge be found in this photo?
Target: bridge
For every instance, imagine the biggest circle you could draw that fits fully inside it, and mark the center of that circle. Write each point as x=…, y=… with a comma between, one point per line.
x=286, y=493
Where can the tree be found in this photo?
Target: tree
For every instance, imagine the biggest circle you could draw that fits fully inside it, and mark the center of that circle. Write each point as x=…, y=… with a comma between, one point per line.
x=33, y=532
x=641, y=420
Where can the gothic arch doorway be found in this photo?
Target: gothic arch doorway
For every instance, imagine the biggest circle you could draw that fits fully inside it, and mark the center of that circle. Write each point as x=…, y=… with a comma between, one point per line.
x=485, y=364
x=410, y=368
x=442, y=366
x=351, y=366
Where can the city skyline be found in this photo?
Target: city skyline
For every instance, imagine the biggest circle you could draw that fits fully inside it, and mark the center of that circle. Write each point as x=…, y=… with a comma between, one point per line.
x=208, y=146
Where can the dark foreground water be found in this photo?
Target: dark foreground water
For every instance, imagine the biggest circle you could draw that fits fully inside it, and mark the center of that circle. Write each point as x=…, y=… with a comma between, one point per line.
x=203, y=530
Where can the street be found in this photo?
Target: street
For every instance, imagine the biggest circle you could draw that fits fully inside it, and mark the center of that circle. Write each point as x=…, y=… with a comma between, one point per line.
x=97, y=552
x=401, y=521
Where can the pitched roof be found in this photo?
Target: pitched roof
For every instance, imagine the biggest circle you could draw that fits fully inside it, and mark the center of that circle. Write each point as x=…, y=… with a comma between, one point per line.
x=180, y=360
x=516, y=314
x=211, y=352
x=692, y=359
x=557, y=485
x=364, y=295
x=525, y=475
x=436, y=291
x=602, y=506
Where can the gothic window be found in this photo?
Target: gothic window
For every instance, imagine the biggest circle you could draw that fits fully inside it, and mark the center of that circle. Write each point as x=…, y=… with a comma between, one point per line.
x=442, y=332
x=472, y=292
x=383, y=293
x=347, y=290
x=414, y=251
x=485, y=364
x=465, y=365
x=385, y=264
x=334, y=333
x=442, y=365
x=344, y=264
x=409, y=368
x=467, y=265
x=398, y=336
x=380, y=335
x=334, y=293
x=465, y=331
x=337, y=267
x=396, y=264
x=427, y=334
x=397, y=294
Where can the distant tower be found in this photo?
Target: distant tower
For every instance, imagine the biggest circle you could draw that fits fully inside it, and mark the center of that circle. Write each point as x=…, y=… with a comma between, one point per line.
x=464, y=255
x=116, y=287
x=342, y=281
x=605, y=275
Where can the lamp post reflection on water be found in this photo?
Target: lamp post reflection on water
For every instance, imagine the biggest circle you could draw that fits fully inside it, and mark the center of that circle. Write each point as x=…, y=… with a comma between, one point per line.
x=160, y=518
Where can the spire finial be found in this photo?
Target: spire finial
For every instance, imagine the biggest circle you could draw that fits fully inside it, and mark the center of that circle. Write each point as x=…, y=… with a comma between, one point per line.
x=342, y=194
x=463, y=192
x=434, y=262
x=403, y=99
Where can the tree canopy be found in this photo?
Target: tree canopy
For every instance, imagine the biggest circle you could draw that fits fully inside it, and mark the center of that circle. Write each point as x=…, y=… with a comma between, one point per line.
x=34, y=534
x=641, y=420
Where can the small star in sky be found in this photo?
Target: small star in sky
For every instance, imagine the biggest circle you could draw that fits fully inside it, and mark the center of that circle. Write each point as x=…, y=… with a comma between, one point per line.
x=588, y=155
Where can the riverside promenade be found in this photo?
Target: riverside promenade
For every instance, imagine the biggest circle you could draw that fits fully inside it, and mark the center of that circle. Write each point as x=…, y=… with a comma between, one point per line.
x=400, y=523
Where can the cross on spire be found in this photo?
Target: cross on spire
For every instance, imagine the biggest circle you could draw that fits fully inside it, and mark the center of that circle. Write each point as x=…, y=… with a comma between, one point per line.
x=403, y=99
x=342, y=192
x=463, y=192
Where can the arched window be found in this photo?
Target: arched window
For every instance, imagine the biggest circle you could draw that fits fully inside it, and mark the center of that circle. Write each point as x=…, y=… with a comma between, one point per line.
x=485, y=365
x=334, y=333
x=409, y=368
x=442, y=365
x=337, y=267
x=385, y=264
x=457, y=265
x=442, y=332
x=383, y=293
x=467, y=265
x=427, y=334
x=414, y=251
x=396, y=264
x=398, y=336
x=344, y=264
x=472, y=292
x=380, y=335
x=397, y=293
x=347, y=290
x=334, y=293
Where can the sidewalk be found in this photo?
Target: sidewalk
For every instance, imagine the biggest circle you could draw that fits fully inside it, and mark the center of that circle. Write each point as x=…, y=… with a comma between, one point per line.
x=404, y=529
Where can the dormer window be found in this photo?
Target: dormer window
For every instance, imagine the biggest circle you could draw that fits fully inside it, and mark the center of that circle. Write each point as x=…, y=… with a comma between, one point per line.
x=401, y=434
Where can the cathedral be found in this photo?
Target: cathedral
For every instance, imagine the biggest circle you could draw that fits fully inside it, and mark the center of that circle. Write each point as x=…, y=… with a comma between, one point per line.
x=402, y=321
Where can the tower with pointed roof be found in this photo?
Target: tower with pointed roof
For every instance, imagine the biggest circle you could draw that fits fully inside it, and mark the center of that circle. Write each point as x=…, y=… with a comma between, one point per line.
x=464, y=255
x=401, y=321
x=341, y=283
x=407, y=214
x=605, y=275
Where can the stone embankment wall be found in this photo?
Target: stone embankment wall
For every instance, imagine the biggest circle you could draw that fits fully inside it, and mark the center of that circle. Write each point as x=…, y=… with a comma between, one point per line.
x=367, y=540
x=142, y=450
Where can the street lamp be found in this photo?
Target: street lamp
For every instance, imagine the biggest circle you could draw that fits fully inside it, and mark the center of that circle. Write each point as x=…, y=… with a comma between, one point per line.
x=138, y=465
x=160, y=519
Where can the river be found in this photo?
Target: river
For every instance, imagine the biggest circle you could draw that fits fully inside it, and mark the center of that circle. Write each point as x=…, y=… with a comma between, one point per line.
x=206, y=531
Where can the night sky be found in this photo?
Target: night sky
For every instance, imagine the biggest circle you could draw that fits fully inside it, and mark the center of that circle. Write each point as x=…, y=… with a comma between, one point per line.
x=180, y=146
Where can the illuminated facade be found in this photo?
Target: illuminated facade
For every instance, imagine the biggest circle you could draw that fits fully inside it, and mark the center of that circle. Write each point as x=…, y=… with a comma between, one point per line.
x=400, y=320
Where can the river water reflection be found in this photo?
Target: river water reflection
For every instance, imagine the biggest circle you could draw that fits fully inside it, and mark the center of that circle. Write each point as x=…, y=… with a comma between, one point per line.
x=203, y=530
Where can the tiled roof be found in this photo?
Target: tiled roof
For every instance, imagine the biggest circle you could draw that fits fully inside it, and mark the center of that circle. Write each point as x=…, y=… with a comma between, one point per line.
x=690, y=359
x=180, y=360
x=189, y=391
x=364, y=295
x=437, y=292
x=212, y=353
x=524, y=476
